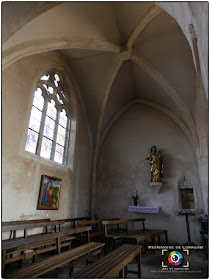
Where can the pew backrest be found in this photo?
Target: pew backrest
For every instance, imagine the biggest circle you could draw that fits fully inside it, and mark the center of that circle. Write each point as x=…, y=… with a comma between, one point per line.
x=96, y=225
x=15, y=243
x=119, y=222
x=23, y=226
x=16, y=226
x=75, y=220
x=11, y=223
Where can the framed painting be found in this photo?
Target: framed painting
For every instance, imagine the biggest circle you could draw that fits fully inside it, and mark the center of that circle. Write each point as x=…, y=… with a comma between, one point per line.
x=49, y=194
x=187, y=198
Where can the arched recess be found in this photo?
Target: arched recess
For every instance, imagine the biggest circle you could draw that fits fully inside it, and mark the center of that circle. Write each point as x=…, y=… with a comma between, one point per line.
x=192, y=140
x=159, y=107
x=122, y=168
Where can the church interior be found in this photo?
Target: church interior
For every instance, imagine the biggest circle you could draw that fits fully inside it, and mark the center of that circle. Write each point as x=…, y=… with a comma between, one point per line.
x=104, y=139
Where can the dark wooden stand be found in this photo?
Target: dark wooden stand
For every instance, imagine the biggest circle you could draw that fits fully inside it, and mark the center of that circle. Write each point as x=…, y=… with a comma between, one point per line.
x=186, y=213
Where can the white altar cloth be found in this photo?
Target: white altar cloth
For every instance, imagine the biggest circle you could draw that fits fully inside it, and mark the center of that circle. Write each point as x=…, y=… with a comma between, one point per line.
x=139, y=209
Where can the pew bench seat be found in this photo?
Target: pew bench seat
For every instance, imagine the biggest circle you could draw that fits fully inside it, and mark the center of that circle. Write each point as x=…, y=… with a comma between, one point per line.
x=40, y=243
x=113, y=263
x=38, y=269
x=145, y=235
x=133, y=235
x=27, y=251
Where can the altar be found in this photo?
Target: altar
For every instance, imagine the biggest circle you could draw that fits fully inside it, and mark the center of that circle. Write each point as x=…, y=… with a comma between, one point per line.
x=140, y=209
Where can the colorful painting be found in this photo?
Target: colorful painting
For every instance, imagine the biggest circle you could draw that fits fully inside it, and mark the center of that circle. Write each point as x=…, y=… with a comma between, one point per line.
x=49, y=193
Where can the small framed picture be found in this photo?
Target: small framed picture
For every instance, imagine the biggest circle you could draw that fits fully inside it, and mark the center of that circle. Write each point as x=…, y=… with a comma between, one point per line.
x=49, y=194
x=187, y=198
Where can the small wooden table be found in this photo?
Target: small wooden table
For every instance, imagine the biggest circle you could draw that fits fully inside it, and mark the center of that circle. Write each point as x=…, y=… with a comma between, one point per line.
x=113, y=263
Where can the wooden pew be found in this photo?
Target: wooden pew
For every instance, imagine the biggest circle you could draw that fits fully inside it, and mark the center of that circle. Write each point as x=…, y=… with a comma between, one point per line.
x=74, y=220
x=14, y=223
x=135, y=235
x=54, y=262
x=113, y=263
x=144, y=235
x=14, y=245
x=97, y=232
x=118, y=223
x=25, y=226
x=36, y=242
x=37, y=248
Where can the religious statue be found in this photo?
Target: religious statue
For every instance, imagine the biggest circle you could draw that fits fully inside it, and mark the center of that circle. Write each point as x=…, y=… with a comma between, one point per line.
x=156, y=162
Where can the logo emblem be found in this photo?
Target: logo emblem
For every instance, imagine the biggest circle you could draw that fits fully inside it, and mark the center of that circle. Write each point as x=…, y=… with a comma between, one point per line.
x=175, y=258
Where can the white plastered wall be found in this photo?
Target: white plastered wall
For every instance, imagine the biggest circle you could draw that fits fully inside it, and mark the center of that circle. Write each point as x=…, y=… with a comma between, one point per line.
x=21, y=173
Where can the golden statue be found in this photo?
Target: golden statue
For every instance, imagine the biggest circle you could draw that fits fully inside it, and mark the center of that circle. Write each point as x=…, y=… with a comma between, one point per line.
x=156, y=162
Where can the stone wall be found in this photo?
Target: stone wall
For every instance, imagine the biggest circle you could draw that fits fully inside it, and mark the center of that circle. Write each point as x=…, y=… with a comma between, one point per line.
x=123, y=169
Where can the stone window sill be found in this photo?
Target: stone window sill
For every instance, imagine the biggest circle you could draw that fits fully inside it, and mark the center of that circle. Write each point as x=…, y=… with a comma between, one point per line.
x=46, y=162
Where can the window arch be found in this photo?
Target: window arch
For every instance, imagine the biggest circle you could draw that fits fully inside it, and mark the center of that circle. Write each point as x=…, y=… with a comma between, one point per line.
x=49, y=123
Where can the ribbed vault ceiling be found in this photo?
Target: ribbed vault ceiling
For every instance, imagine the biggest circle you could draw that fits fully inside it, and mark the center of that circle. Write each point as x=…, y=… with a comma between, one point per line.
x=118, y=52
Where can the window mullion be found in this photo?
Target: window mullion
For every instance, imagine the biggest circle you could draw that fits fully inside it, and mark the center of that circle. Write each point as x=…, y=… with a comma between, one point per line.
x=42, y=127
x=66, y=142
x=55, y=136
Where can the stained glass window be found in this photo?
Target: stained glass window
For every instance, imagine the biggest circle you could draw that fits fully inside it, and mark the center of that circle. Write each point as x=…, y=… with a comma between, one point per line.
x=46, y=148
x=45, y=77
x=51, y=110
x=56, y=80
x=61, y=136
x=31, y=141
x=50, y=90
x=35, y=122
x=48, y=126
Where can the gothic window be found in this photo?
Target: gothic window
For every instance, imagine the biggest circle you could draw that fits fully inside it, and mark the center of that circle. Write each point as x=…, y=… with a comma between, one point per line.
x=49, y=123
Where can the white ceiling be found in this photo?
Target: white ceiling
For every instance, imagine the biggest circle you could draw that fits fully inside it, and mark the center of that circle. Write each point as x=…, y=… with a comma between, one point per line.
x=160, y=68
